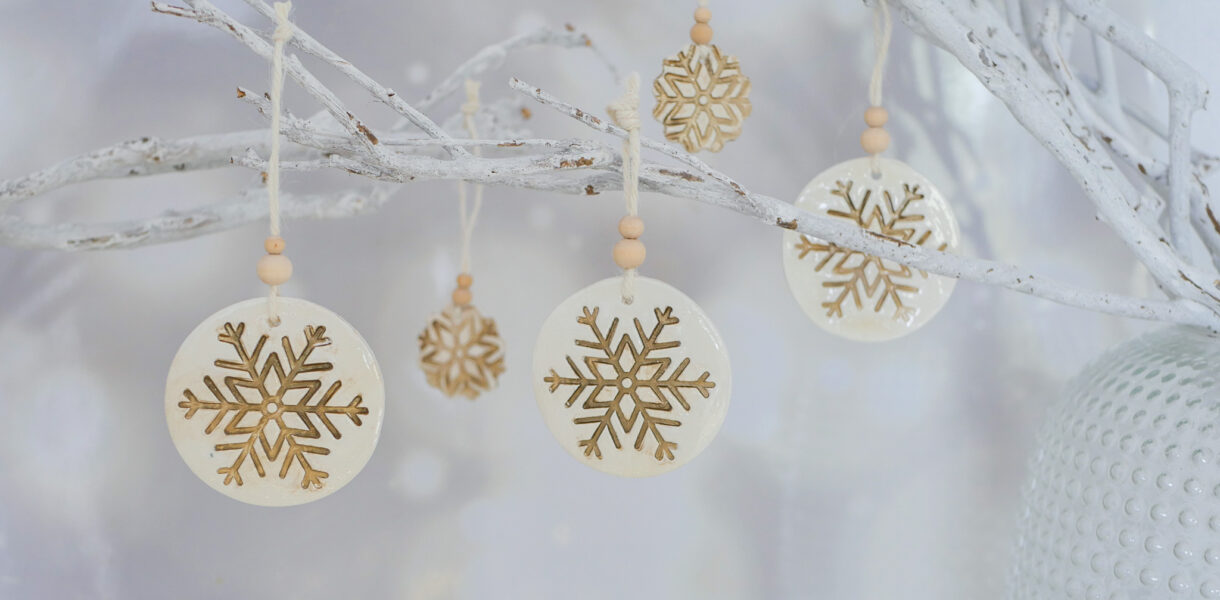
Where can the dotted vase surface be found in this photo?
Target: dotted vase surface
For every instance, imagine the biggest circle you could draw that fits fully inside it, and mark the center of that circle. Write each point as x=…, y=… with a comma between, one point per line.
x=1123, y=501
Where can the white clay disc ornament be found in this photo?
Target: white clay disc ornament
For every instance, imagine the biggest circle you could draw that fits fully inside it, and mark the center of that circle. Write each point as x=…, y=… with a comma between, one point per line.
x=631, y=389
x=863, y=297
x=275, y=415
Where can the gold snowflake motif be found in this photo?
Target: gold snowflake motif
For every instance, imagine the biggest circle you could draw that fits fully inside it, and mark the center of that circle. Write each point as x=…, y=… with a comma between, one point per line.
x=862, y=276
x=461, y=352
x=701, y=103
x=272, y=414
x=627, y=371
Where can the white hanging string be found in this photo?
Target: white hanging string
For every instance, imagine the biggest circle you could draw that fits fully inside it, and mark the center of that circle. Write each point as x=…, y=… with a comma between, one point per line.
x=626, y=113
x=883, y=29
x=283, y=33
x=468, y=216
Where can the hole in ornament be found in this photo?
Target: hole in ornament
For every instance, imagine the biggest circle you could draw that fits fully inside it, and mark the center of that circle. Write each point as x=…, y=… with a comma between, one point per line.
x=274, y=322
x=272, y=408
x=626, y=383
x=876, y=175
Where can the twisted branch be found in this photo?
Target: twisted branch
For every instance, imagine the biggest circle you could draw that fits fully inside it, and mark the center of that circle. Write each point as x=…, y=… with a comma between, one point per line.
x=1020, y=55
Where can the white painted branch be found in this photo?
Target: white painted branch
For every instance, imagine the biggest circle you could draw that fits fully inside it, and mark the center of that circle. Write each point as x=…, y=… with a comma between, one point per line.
x=978, y=37
x=144, y=156
x=727, y=193
x=305, y=42
x=996, y=47
x=246, y=207
x=204, y=12
x=1187, y=93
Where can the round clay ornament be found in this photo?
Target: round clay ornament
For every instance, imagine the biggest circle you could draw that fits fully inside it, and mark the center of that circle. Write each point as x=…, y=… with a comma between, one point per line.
x=631, y=389
x=275, y=415
x=863, y=297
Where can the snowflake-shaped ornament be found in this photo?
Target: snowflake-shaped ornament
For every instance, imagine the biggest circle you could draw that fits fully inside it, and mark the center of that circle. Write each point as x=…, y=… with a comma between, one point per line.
x=275, y=415
x=857, y=295
x=461, y=352
x=631, y=389
x=702, y=98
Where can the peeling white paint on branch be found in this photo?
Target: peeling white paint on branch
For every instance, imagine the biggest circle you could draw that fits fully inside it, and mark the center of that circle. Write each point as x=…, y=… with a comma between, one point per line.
x=1018, y=56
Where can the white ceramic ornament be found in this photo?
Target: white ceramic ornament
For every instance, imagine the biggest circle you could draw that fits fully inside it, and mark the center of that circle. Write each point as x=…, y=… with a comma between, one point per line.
x=275, y=415
x=631, y=389
x=863, y=297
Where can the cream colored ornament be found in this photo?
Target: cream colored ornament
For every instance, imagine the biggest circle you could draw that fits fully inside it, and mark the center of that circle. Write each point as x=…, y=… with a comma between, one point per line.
x=631, y=389
x=702, y=96
x=461, y=352
x=859, y=296
x=275, y=415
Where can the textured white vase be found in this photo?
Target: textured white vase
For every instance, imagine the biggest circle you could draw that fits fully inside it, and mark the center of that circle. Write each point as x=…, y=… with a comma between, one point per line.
x=1123, y=500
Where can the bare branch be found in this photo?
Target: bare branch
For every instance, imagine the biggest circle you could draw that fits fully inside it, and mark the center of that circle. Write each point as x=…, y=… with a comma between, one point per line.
x=1021, y=55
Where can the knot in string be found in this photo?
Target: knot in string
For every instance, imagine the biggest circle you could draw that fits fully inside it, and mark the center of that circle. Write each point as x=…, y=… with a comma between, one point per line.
x=626, y=110
x=283, y=29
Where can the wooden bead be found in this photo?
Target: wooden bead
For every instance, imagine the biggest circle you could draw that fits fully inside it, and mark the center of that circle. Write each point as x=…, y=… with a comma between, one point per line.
x=274, y=244
x=274, y=269
x=876, y=116
x=629, y=254
x=703, y=14
x=631, y=227
x=875, y=140
x=465, y=281
x=701, y=33
x=462, y=296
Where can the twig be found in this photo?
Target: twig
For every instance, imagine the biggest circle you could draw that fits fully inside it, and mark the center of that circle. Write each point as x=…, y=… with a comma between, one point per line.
x=1020, y=55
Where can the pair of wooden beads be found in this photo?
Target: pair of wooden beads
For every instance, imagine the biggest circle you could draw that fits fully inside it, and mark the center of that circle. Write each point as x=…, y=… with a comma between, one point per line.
x=274, y=268
x=875, y=139
x=629, y=251
x=701, y=33
x=462, y=295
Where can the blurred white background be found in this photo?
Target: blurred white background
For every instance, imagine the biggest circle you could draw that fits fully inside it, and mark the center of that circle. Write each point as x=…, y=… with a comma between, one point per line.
x=844, y=470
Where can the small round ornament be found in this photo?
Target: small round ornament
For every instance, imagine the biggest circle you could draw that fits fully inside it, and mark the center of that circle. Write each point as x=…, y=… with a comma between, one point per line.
x=702, y=96
x=856, y=295
x=275, y=415
x=461, y=352
x=633, y=389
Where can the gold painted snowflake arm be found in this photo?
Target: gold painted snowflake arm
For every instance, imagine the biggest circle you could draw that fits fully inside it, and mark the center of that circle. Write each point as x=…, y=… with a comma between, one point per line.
x=674, y=384
x=296, y=452
x=315, y=337
x=650, y=341
x=246, y=362
x=353, y=410
x=602, y=343
x=665, y=448
x=580, y=381
x=605, y=422
x=222, y=405
x=232, y=472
